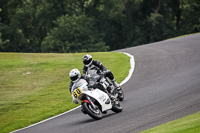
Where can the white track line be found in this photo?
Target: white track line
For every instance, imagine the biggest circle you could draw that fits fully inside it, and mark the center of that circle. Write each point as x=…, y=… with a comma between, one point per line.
x=132, y=64
x=45, y=120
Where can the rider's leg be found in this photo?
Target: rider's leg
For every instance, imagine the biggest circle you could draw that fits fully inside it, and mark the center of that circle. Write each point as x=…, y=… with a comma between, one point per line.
x=110, y=75
x=115, y=83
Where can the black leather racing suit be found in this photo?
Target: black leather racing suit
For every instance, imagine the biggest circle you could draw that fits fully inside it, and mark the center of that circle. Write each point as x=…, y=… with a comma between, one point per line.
x=99, y=67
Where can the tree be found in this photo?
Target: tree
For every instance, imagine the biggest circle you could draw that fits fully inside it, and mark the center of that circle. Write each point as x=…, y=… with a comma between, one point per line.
x=74, y=34
x=190, y=19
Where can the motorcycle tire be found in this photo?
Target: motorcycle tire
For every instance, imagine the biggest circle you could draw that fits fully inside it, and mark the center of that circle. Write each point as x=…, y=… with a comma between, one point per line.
x=117, y=107
x=94, y=113
x=120, y=95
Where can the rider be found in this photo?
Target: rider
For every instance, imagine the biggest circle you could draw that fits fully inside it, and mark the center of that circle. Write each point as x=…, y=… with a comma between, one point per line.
x=75, y=76
x=90, y=64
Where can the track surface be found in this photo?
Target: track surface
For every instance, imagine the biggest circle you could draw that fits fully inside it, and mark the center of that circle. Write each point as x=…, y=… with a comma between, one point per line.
x=165, y=86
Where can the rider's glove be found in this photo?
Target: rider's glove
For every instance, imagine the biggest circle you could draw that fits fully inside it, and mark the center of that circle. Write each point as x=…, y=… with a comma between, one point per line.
x=75, y=101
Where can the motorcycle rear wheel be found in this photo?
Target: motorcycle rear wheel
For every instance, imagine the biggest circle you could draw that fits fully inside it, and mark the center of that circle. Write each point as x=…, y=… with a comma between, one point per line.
x=117, y=107
x=94, y=113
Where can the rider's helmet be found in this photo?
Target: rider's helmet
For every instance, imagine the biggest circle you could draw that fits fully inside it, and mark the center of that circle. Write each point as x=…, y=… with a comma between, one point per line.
x=87, y=60
x=74, y=75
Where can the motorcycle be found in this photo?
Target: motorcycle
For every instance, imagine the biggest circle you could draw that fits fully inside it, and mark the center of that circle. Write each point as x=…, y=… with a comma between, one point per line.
x=94, y=101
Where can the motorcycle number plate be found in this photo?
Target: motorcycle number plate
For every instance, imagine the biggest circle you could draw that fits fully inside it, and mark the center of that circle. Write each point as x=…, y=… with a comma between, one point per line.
x=77, y=92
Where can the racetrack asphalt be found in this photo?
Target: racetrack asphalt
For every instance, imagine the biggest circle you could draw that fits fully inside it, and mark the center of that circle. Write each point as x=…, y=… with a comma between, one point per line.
x=164, y=86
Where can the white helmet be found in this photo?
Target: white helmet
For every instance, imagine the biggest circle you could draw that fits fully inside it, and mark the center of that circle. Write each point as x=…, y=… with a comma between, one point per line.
x=74, y=75
x=87, y=60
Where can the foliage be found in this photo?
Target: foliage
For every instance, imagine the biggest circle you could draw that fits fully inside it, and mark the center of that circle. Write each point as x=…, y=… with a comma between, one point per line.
x=74, y=34
x=101, y=25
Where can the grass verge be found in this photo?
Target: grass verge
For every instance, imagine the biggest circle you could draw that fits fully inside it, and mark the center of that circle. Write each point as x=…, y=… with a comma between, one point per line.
x=188, y=124
x=183, y=36
x=35, y=86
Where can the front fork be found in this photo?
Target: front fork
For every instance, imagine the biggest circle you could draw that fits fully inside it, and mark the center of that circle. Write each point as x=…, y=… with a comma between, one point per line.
x=90, y=102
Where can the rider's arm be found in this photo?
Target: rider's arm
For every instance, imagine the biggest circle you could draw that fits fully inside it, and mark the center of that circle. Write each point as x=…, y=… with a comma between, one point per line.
x=100, y=65
x=70, y=86
x=84, y=69
x=74, y=100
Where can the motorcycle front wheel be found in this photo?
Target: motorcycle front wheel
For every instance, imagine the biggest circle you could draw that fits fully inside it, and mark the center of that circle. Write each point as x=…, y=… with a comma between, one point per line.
x=95, y=113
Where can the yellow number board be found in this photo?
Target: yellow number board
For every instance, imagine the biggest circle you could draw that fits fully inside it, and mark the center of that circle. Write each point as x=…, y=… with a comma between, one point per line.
x=77, y=92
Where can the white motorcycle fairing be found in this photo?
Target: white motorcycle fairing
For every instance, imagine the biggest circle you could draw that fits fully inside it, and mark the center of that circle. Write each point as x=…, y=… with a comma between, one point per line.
x=101, y=97
x=80, y=88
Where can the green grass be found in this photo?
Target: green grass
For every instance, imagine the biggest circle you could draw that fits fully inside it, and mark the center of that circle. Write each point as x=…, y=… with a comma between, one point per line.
x=35, y=86
x=188, y=124
x=183, y=36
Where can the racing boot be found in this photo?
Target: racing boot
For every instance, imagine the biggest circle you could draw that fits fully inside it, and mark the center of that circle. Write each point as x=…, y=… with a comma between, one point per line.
x=117, y=86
